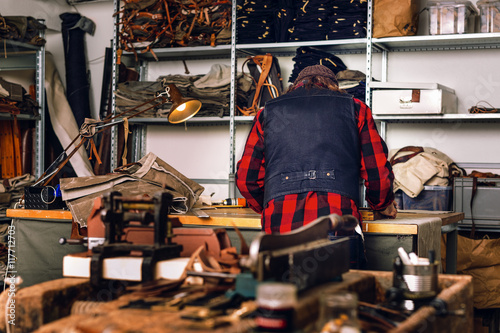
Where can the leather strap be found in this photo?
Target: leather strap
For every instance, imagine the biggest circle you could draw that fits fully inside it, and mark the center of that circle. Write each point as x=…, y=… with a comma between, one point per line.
x=414, y=149
x=265, y=62
x=472, y=196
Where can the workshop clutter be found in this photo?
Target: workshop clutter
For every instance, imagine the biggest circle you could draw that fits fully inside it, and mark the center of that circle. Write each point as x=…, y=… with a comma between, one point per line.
x=14, y=99
x=423, y=178
x=12, y=190
x=145, y=176
x=212, y=89
x=23, y=29
x=265, y=21
x=149, y=24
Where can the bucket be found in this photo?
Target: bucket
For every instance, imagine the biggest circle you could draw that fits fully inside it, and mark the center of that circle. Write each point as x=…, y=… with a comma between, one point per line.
x=422, y=280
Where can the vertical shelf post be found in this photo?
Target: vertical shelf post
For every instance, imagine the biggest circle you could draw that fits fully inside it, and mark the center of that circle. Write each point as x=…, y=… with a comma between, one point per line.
x=114, y=130
x=232, y=164
x=369, y=25
x=40, y=96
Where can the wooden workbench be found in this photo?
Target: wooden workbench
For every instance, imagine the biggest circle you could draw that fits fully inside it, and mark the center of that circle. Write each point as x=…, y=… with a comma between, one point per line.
x=405, y=225
x=51, y=307
x=247, y=218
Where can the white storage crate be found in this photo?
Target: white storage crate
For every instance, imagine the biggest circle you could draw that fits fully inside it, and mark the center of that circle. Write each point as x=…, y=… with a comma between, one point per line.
x=412, y=98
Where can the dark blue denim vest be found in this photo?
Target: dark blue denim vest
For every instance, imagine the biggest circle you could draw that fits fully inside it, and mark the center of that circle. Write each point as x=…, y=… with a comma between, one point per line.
x=311, y=144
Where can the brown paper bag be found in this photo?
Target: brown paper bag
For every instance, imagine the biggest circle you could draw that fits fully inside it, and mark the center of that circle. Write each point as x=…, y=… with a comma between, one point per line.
x=395, y=18
x=480, y=258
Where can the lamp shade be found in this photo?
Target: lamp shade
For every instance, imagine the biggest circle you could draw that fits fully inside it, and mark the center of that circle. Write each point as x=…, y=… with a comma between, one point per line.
x=182, y=108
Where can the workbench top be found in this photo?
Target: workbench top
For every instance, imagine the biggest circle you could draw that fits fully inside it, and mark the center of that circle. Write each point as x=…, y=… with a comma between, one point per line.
x=247, y=218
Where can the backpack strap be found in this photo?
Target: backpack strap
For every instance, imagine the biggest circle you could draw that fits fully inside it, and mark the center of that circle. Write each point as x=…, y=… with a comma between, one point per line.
x=414, y=149
x=472, y=196
x=265, y=62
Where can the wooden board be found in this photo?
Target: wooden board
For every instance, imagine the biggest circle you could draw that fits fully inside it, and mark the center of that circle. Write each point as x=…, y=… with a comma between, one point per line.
x=55, y=214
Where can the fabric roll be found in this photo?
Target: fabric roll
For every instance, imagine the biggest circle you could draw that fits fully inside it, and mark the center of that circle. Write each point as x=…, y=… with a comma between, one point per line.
x=73, y=29
x=62, y=119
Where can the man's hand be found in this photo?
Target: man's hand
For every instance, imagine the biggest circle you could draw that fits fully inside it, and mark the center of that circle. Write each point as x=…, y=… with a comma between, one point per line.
x=391, y=211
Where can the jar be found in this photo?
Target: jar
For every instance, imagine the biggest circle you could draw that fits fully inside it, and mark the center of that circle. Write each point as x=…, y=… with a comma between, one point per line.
x=338, y=313
x=276, y=306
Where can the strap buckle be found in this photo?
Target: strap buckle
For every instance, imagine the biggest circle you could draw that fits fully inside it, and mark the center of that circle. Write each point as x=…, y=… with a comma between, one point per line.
x=311, y=174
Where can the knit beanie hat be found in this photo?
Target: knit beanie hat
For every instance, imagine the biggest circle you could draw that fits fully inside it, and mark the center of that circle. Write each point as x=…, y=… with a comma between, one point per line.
x=316, y=70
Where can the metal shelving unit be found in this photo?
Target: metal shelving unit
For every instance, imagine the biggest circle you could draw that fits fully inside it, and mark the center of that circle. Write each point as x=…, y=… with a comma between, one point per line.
x=367, y=46
x=458, y=42
x=21, y=56
x=452, y=117
x=470, y=41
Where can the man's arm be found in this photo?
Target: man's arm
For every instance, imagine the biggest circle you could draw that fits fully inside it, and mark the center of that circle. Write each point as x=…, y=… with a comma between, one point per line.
x=375, y=168
x=250, y=169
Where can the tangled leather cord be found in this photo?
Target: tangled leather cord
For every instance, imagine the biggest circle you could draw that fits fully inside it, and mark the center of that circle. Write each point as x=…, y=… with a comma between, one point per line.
x=149, y=24
x=481, y=109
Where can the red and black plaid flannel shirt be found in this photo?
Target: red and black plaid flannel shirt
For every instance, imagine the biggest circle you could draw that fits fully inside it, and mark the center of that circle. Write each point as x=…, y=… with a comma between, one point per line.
x=292, y=211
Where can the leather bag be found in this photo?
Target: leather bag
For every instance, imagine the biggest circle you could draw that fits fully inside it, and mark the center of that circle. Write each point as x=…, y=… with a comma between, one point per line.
x=149, y=175
x=395, y=18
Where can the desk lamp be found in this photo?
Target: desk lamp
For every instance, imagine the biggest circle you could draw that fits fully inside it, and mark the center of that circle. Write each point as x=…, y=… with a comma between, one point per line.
x=183, y=108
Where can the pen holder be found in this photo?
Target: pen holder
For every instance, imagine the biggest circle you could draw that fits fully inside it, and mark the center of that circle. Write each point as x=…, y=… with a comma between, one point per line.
x=421, y=279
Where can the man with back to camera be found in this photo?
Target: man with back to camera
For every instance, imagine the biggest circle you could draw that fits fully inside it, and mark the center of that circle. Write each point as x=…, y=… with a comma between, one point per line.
x=305, y=154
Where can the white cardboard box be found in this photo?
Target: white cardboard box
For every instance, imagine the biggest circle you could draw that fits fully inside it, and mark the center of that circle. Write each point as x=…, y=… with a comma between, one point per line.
x=412, y=98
